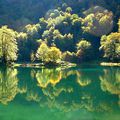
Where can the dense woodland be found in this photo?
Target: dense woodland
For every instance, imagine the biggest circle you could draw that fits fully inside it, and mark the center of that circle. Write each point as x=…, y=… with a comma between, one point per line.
x=50, y=31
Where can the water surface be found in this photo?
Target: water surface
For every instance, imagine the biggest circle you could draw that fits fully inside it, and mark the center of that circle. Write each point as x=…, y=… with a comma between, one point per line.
x=80, y=93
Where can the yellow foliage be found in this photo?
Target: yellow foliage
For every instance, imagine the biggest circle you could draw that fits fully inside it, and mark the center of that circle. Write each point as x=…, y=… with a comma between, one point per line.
x=54, y=54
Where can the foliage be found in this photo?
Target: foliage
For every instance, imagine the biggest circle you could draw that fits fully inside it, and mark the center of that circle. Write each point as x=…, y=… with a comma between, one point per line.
x=61, y=29
x=8, y=44
x=69, y=9
x=61, y=23
x=69, y=56
x=83, y=50
x=42, y=52
x=111, y=46
x=32, y=29
x=98, y=23
x=54, y=54
x=48, y=54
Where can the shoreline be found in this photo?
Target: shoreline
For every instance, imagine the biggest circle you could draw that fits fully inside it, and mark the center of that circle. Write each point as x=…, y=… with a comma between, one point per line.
x=110, y=64
x=63, y=65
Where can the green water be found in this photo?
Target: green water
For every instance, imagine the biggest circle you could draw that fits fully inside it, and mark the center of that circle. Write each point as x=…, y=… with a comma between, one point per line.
x=81, y=93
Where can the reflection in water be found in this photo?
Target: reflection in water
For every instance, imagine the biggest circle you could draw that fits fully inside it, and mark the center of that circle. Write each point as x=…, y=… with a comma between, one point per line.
x=31, y=96
x=66, y=90
x=110, y=81
x=8, y=85
x=82, y=79
x=48, y=76
x=71, y=90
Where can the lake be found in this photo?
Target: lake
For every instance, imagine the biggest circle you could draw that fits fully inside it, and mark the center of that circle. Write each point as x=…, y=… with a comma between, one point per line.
x=87, y=92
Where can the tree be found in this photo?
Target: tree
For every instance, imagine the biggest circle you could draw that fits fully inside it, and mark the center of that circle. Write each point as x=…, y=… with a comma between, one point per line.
x=69, y=56
x=111, y=46
x=65, y=42
x=98, y=21
x=83, y=50
x=48, y=54
x=69, y=9
x=32, y=29
x=42, y=52
x=54, y=54
x=62, y=28
x=8, y=45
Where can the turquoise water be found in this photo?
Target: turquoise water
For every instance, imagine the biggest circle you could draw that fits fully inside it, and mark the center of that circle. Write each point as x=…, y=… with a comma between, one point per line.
x=80, y=93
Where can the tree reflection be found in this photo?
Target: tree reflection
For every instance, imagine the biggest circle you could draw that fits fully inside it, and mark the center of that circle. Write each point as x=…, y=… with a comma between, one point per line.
x=31, y=96
x=70, y=90
x=82, y=79
x=110, y=81
x=28, y=87
x=8, y=85
x=66, y=90
x=48, y=76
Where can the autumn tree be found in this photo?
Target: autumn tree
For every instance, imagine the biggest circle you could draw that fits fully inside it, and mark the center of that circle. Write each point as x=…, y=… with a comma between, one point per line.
x=111, y=46
x=54, y=54
x=98, y=21
x=48, y=54
x=42, y=52
x=8, y=45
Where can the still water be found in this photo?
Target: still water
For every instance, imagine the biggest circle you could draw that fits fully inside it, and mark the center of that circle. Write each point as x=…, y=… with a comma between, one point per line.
x=80, y=93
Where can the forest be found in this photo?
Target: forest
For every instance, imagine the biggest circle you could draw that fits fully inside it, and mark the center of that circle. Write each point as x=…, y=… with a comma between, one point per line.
x=48, y=31
x=59, y=59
